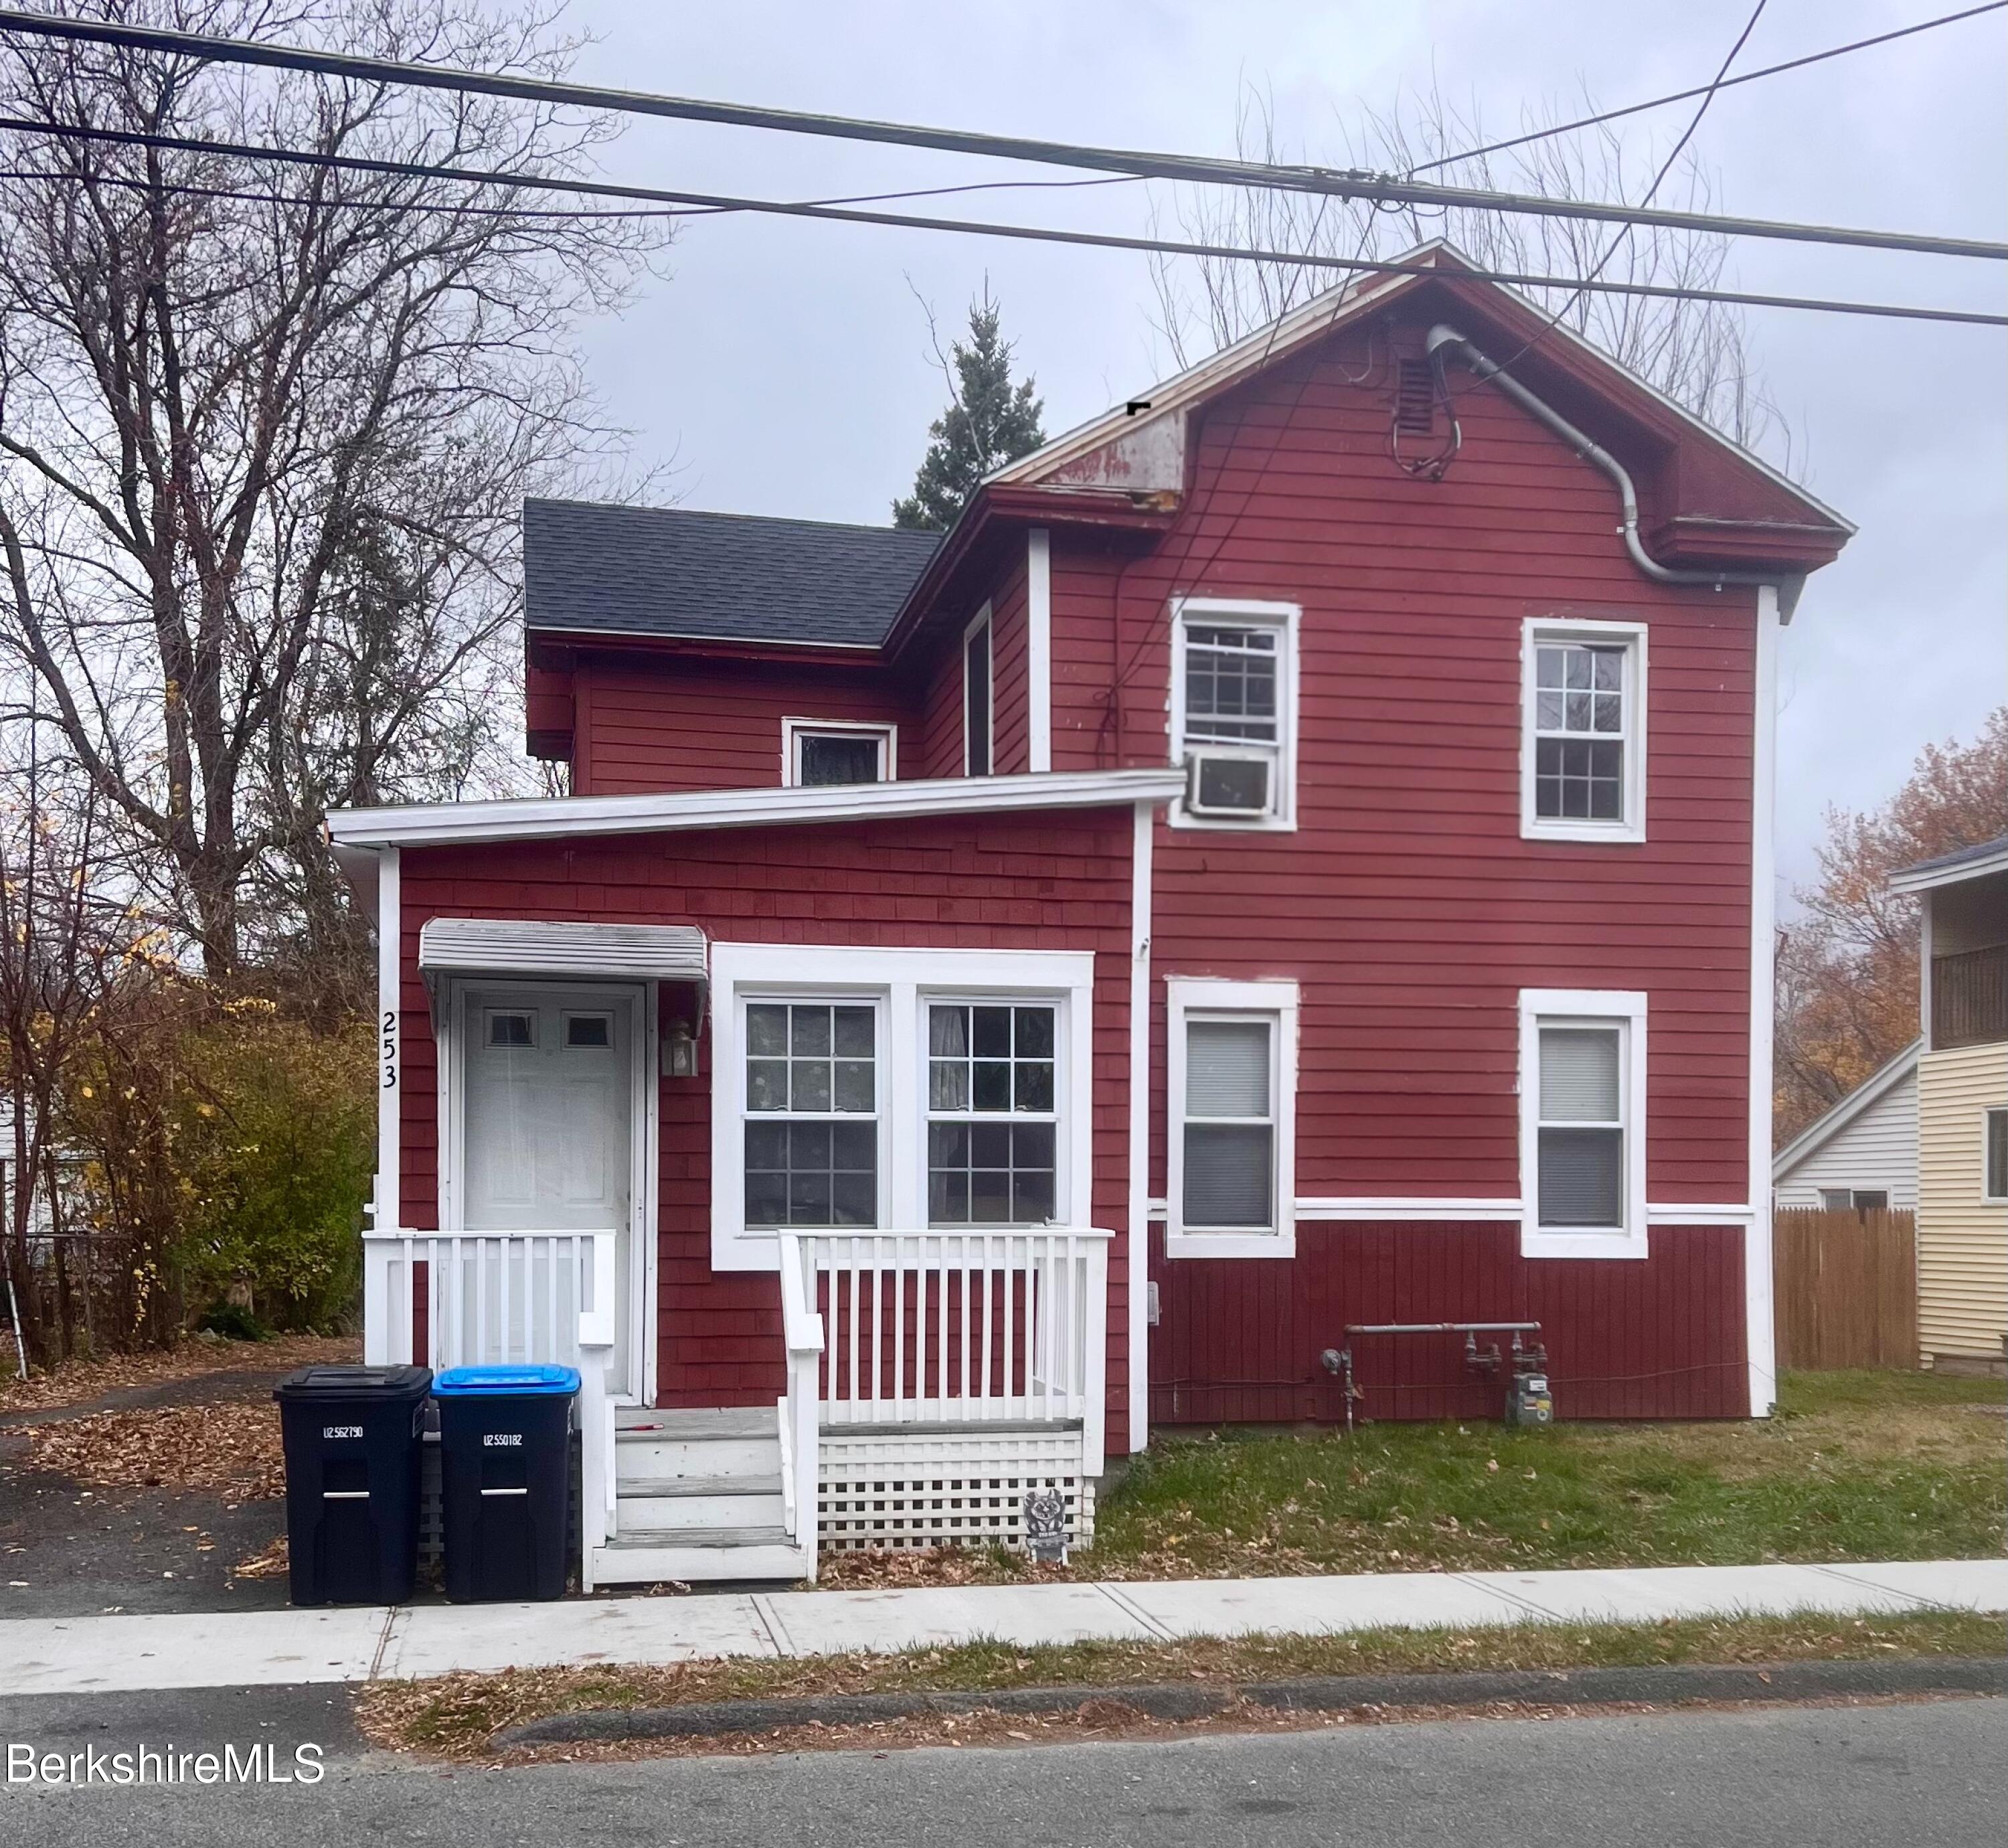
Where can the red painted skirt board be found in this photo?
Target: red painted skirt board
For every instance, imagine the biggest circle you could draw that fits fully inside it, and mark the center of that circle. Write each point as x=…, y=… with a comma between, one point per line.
x=1238, y=1340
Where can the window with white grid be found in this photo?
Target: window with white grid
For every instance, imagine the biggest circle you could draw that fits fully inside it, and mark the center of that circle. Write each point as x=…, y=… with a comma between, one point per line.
x=1583, y=747
x=1234, y=712
x=811, y=1114
x=993, y=1116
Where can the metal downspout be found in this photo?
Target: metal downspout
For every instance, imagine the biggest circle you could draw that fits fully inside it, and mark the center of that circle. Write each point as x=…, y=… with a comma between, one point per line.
x=1789, y=583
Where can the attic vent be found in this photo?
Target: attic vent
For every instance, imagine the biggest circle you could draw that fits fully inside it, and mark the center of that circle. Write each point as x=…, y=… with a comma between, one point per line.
x=1416, y=398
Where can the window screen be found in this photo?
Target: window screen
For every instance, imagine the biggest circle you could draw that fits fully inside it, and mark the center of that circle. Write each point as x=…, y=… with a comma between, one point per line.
x=976, y=701
x=1580, y=725
x=1581, y=1136
x=992, y=1107
x=1230, y=1129
x=812, y=1111
x=826, y=757
x=1997, y=1154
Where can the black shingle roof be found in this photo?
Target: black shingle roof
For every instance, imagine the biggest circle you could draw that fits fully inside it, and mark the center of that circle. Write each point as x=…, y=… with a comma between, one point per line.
x=640, y=571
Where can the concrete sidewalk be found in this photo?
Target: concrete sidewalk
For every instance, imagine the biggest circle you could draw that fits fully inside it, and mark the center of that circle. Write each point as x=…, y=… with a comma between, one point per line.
x=107, y=1654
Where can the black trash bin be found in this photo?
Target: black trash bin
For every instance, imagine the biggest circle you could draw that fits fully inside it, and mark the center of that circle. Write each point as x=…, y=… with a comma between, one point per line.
x=505, y=1479
x=351, y=1442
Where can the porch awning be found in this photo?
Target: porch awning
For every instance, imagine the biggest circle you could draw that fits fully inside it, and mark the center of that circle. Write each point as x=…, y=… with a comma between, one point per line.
x=522, y=946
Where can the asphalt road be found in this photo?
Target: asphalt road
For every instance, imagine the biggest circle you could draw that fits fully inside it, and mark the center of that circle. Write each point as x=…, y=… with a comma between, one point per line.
x=1926, y=1774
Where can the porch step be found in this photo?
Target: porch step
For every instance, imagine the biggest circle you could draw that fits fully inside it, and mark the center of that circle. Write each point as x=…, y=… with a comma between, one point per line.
x=692, y=1555
x=732, y=1501
x=676, y=1447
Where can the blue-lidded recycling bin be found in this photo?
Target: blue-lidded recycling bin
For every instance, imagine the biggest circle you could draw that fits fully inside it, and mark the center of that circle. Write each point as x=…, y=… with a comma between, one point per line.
x=351, y=1441
x=505, y=1479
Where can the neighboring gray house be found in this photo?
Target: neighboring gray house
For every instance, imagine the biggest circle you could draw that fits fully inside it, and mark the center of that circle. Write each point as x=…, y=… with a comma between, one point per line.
x=1864, y=1152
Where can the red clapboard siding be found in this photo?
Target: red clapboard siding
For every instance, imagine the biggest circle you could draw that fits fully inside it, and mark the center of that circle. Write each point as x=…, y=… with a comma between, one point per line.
x=1240, y=1341
x=649, y=725
x=1408, y=908
x=1052, y=882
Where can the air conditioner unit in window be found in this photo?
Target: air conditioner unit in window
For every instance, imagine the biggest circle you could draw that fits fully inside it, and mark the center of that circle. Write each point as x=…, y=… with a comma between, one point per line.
x=1228, y=784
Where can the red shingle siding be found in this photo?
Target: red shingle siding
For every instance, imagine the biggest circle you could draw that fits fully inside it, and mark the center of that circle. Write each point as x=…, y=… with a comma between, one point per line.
x=1011, y=739
x=694, y=724
x=1056, y=881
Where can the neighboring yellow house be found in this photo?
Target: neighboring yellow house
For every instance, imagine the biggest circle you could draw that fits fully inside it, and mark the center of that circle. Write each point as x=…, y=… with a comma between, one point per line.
x=1963, y=1108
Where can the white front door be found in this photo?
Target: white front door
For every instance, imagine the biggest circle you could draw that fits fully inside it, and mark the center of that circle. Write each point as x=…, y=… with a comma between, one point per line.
x=548, y=1128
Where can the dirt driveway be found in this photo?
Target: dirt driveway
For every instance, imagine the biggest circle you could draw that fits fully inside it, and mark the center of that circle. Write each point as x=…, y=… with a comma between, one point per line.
x=150, y=1496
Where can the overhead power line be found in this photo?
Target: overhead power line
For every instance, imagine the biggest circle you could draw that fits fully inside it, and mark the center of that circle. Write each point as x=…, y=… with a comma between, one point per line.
x=720, y=203
x=1198, y=169
x=1684, y=95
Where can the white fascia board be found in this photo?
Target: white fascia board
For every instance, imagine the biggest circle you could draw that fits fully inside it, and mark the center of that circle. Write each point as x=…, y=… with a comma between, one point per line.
x=1816, y=1134
x=1925, y=878
x=541, y=817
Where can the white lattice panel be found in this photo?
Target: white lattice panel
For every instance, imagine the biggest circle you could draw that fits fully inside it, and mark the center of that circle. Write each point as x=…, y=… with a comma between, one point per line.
x=945, y=1488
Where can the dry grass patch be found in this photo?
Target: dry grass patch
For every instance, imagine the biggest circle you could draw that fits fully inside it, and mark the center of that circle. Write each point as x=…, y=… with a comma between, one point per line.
x=75, y=1382
x=457, y=1716
x=230, y=1448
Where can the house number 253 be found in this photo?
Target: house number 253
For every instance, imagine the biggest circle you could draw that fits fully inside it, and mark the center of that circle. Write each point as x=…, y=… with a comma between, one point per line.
x=389, y=1049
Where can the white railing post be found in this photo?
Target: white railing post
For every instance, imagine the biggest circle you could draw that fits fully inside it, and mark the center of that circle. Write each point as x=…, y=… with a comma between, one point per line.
x=800, y=1412
x=597, y=1485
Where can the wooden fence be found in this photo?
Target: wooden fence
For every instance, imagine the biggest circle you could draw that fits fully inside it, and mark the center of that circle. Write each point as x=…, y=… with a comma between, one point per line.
x=1847, y=1288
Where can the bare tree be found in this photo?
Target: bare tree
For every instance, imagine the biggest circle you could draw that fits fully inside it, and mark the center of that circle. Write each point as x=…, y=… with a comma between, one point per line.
x=1697, y=353
x=265, y=432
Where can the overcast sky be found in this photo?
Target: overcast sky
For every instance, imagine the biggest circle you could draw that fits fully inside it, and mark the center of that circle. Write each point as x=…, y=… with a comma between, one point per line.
x=782, y=367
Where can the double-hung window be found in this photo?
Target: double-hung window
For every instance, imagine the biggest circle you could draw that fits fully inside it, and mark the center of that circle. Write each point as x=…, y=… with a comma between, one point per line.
x=1234, y=678
x=1582, y=770
x=1582, y=1091
x=812, y=1126
x=993, y=1119
x=896, y=1090
x=1231, y=1165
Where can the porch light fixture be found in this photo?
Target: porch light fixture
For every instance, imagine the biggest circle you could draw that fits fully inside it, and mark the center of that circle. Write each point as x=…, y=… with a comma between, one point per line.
x=678, y=1050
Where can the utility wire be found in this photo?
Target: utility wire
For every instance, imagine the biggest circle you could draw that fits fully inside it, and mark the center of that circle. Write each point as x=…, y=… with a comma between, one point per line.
x=1683, y=96
x=1351, y=184
x=726, y=202
x=1659, y=180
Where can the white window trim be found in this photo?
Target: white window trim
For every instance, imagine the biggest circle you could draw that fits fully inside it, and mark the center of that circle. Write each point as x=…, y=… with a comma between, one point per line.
x=794, y=730
x=1274, y=1000
x=980, y=620
x=1631, y=636
x=1592, y=1007
x=901, y=983
x=1986, y=1198
x=1284, y=618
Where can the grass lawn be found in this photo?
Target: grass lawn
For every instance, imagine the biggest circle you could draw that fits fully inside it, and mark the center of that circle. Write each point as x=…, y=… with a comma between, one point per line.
x=455, y=1716
x=1855, y=1465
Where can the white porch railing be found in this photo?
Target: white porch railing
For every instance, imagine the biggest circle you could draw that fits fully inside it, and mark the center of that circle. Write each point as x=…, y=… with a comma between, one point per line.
x=955, y=1328
x=448, y=1299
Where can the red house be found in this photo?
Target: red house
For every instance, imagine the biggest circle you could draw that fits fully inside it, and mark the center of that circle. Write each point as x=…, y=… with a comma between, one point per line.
x=1293, y=859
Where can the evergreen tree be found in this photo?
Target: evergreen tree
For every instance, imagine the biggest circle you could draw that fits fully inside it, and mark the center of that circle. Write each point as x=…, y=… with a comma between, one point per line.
x=990, y=421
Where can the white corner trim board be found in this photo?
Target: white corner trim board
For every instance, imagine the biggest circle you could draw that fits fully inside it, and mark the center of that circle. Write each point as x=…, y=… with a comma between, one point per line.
x=1039, y=648
x=1760, y=1331
x=446, y=823
x=1140, y=1126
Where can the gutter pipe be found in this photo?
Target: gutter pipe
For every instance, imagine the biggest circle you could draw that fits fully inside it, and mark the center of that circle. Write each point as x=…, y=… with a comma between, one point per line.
x=1443, y=337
